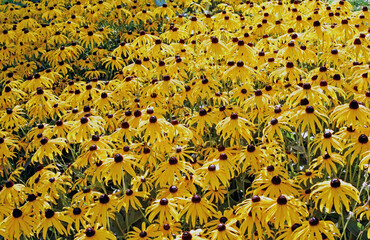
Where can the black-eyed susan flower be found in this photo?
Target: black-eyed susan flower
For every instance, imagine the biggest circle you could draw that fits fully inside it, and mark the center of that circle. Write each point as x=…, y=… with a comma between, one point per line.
x=103, y=209
x=169, y=230
x=326, y=142
x=18, y=223
x=197, y=207
x=171, y=169
x=309, y=118
x=78, y=216
x=145, y=233
x=213, y=176
x=53, y=219
x=49, y=148
x=164, y=209
x=118, y=166
x=328, y=162
x=91, y=233
x=130, y=199
x=278, y=211
x=351, y=114
x=334, y=193
x=357, y=147
x=235, y=128
x=315, y=228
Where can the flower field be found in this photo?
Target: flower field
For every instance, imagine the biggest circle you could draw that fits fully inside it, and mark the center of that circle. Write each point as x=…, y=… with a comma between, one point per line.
x=219, y=120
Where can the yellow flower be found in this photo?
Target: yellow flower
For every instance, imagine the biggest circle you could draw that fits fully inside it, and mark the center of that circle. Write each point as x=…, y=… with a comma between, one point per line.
x=170, y=170
x=18, y=223
x=197, y=207
x=350, y=114
x=328, y=162
x=164, y=209
x=334, y=192
x=235, y=128
x=49, y=148
x=285, y=209
x=315, y=228
x=145, y=233
x=52, y=219
x=103, y=209
x=212, y=175
x=116, y=168
x=91, y=233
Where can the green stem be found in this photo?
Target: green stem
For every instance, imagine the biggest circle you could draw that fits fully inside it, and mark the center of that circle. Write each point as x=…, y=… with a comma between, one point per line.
x=228, y=197
x=344, y=228
x=308, y=147
x=55, y=234
x=354, y=207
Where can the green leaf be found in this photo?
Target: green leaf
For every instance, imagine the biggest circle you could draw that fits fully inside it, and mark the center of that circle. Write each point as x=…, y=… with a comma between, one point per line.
x=354, y=227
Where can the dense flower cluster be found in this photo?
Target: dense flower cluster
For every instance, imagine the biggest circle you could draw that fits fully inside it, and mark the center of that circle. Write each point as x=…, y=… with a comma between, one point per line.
x=221, y=120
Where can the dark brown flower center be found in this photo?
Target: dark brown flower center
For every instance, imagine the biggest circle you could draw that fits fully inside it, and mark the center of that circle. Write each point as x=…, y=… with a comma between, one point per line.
x=354, y=105
x=251, y=148
x=282, y=200
x=186, y=236
x=313, y=221
x=211, y=168
x=104, y=198
x=363, y=139
x=276, y=180
x=335, y=183
x=163, y=201
x=196, y=198
x=221, y=227
x=49, y=213
x=173, y=161
x=77, y=211
x=17, y=213
x=90, y=232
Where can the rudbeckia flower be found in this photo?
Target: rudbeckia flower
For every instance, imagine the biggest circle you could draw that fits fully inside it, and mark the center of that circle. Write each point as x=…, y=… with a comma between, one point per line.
x=12, y=118
x=170, y=170
x=116, y=168
x=334, y=192
x=197, y=207
x=235, y=128
x=130, y=199
x=49, y=148
x=351, y=114
x=213, y=176
x=289, y=72
x=18, y=223
x=91, y=233
x=168, y=230
x=274, y=186
x=357, y=148
x=275, y=128
x=225, y=231
x=309, y=118
x=153, y=129
x=315, y=228
x=326, y=142
x=103, y=209
x=164, y=209
x=52, y=219
x=145, y=233
x=284, y=209
x=328, y=162
x=78, y=216
x=90, y=39
x=85, y=127
x=308, y=176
